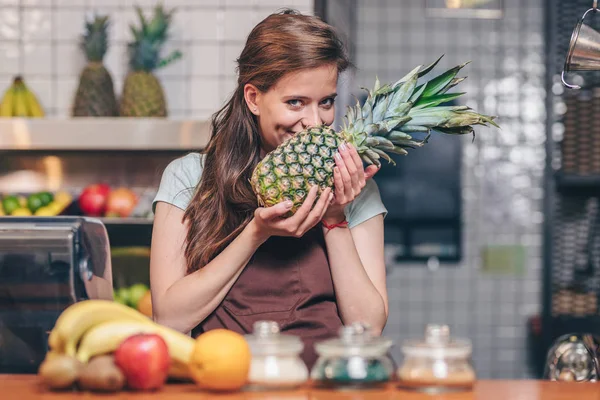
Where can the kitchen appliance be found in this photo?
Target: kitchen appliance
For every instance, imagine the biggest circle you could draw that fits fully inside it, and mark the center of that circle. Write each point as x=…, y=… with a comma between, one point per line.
x=574, y=358
x=584, y=49
x=46, y=264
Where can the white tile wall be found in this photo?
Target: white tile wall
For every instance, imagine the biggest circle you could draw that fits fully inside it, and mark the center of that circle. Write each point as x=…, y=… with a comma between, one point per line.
x=393, y=37
x=39, y=40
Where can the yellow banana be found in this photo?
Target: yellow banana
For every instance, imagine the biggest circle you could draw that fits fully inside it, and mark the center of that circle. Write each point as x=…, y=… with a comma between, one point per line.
x=6, y=107
x=76, y=319
x=20, y=106
x=35, y=109
x=106, y=337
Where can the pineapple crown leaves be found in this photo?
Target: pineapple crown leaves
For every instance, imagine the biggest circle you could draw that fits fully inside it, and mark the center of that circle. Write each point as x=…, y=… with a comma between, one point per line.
x=392, y=114
x=148, y=40
x=94, y=41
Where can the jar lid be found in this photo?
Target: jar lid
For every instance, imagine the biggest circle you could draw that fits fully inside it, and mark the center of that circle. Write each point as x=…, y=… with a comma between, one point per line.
x=437, y=344
x=356, y=339
x=267, y=340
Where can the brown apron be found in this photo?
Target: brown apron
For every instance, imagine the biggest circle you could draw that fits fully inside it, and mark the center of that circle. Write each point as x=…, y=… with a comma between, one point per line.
x=288, y=281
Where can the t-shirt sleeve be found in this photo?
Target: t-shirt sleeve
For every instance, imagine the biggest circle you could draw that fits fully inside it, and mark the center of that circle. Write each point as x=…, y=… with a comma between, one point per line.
x=179, y=181
x=367, y=205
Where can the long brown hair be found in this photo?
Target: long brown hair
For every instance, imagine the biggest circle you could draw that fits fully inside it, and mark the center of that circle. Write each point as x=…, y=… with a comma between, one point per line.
x=224, y=202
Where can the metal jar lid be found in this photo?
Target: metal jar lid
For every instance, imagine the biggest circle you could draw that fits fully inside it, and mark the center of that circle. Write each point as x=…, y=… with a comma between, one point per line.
x=266, y=339
x=354, y=340
x=437, y=344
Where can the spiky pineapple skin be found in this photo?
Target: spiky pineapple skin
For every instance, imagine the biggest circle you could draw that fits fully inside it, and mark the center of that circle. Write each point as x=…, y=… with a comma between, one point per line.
x=95, y=95
x=289, y=171
x=143, y=96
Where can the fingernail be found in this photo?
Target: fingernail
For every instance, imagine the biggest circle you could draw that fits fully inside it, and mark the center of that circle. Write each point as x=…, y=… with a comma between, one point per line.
x=288, y=204
x=343, y=147
x=336, y=170
x=337, y=156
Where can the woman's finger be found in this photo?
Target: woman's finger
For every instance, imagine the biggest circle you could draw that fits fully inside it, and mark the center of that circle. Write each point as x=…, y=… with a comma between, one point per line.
x=339, y=185
x=371, y=171
x=360, y=170
x=316, y=214
x=345, y=175
x=350, y=166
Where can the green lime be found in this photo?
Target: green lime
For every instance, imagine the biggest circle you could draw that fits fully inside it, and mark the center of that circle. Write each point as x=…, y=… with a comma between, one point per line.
x=34, y=202
x=136, y=292
x=46, y=198
x=123, y=295
x=10, y=204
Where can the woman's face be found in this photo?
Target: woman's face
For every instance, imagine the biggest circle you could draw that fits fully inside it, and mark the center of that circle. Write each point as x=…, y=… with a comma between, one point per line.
x=298, y=100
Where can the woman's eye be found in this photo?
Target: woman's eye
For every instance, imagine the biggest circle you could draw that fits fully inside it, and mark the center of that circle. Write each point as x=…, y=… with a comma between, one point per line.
x=295, y=103
x=327, y=103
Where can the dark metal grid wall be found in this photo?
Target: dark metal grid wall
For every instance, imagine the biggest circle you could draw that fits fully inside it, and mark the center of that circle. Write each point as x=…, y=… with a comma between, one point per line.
x=502, y=174
x=570, y=283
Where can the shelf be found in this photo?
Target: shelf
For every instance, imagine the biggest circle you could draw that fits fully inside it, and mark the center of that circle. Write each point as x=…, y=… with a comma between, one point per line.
x=577, y=183
x=93, y=134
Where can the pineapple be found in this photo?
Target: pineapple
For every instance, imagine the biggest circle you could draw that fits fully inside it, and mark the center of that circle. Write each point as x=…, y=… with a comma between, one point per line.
x=386, y=123
x=95, y=95
x=143, y=95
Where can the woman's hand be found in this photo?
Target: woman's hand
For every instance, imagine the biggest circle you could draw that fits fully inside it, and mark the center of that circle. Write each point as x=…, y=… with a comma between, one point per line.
x=270, y=221
x=349, y=178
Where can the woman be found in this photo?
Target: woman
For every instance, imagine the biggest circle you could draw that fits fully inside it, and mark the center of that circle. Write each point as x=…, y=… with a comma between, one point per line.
x=220, y=261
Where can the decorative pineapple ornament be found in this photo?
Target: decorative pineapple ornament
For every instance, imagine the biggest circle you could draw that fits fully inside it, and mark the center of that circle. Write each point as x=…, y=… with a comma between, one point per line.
x=143, y=95
x=386, y=123
x=95, y=95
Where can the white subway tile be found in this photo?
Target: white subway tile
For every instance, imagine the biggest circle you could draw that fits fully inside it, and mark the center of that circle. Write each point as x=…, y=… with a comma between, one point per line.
x=66, y=88
x=69, y=24
x=42, y=88
x=9, y=57
x=239, y=23
x=70, y=59
x=206, y=24
x=9, y=23
x=37, y=59
x=36, y=24
x=176, y=93
x=206, y=59
x=68, y=3
x=205, y=94
x=116, y=60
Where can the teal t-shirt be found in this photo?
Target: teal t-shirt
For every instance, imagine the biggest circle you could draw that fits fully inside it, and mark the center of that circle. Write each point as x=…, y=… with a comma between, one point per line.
x=182, y=175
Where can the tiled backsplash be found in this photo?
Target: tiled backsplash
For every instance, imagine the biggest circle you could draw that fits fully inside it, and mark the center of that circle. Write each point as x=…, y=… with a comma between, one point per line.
x=39, y=39
x=501, y=173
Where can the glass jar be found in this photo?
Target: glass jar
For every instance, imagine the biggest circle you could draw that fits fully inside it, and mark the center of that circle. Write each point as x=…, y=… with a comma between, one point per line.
x=354, y=360
x=437, y=364
x=276, y=362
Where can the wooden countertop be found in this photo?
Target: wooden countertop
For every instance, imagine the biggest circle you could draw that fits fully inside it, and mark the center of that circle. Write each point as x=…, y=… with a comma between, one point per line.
x=25, y=387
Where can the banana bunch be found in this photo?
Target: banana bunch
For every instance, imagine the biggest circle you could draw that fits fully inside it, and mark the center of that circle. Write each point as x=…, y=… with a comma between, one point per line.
x=19, y=101
x=97, y=327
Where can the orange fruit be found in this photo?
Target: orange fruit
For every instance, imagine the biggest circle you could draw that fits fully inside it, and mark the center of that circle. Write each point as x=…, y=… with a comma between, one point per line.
x=220, y=360
x=145, y=304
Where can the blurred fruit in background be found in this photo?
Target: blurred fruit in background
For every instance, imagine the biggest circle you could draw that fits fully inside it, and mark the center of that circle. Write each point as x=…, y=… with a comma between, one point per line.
x=95, y=95
x=43, y=204
x=92, y=200
x=120, y=203
x=135, y=296
x=19, y=101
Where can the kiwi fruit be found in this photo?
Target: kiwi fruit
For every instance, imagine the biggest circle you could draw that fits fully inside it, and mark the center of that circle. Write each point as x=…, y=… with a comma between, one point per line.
x=59, y=371
x=101, y=374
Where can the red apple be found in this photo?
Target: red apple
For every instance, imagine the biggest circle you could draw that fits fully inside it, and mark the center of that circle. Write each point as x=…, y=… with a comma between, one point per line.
x=120, y=203
x=144, y=359
x=92, y=200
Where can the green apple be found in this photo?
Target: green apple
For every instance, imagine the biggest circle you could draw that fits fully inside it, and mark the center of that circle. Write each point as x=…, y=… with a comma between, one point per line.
x=136, y=292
